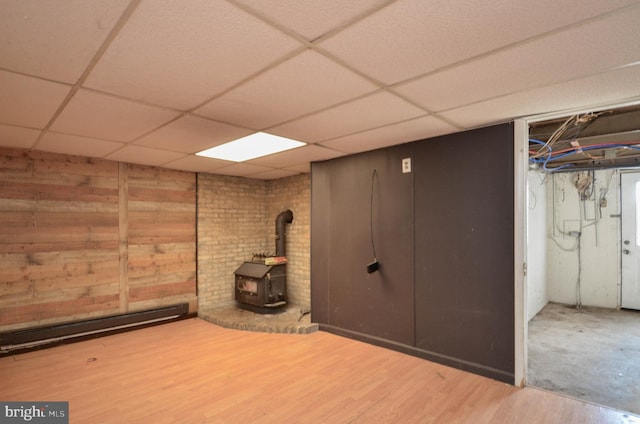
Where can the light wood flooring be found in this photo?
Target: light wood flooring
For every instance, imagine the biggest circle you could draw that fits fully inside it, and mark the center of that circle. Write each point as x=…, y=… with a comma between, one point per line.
x=193, y=371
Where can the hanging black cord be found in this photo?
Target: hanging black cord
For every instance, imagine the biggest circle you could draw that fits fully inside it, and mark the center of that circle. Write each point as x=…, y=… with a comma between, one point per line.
x=373, y=246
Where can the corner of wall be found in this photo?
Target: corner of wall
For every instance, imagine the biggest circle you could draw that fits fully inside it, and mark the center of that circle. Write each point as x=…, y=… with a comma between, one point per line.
x=236, y=218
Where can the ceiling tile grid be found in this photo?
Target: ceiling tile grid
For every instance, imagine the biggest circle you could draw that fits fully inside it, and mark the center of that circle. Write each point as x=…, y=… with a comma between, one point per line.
x=154, y=81
x=54, y=39
x=191, y=134
x=273, y=174
x=27, y=101
x=372, y=111
x=306, y=83
x=545, y=61
x=313, y=19
x=180, y=53
x=618, y=85
x=242, y=170
x=144, y=155
x=296, y=157
x=413, y=37
x=18, y=137
x=76, y=145
x=398, y=133
x=99, y=115
x=196, y=164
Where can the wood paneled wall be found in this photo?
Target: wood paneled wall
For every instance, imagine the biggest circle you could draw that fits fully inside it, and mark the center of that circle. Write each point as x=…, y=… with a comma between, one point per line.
x=83, y=238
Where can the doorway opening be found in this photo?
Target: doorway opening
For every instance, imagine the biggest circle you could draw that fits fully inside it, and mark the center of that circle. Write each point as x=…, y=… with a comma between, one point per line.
x=583, y=326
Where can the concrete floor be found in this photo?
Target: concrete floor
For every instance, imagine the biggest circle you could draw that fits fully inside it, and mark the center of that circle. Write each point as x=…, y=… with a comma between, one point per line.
x=591, y=354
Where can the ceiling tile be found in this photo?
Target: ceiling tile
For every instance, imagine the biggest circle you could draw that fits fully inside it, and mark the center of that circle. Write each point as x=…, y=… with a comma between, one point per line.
x=366, y=113
x=274, y=174
x=53, y=39
x=589, y=92
x=412, y=37
x=441, y=66
x=144, y=155
x=538, y=63
x=190, y=134
x=17, y=137
x=179, y=54
x=29, y=102
x=303, y=84
x=75, y=145
x=242, y=170
x=96, y=115
x=312, y=18
x=194, y=163
x=303, y=168
x=296, y=156
x=415, y=129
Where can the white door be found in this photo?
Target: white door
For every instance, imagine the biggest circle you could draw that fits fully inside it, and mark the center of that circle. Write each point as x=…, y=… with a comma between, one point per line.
x=630, y=225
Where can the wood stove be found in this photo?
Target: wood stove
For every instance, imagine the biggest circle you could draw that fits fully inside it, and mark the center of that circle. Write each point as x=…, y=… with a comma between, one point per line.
x=261, y=285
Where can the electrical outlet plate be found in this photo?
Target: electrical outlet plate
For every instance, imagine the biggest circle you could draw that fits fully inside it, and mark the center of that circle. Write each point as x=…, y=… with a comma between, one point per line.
x=406, y=165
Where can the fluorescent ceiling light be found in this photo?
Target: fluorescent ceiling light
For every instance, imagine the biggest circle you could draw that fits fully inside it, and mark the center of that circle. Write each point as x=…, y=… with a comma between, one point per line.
x=250, y=147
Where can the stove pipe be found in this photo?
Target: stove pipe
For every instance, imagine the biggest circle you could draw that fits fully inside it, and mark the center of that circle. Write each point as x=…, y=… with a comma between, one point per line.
x=285, y=217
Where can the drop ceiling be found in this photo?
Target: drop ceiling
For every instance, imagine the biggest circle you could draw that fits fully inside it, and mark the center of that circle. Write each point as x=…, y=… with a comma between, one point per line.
x=154, y=81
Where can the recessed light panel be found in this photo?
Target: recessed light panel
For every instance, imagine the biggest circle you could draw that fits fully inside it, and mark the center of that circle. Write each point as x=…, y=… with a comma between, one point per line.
x=250, y=147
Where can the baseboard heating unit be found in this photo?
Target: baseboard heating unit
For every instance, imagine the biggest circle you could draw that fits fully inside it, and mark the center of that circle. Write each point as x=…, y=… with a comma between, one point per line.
x=33, y=338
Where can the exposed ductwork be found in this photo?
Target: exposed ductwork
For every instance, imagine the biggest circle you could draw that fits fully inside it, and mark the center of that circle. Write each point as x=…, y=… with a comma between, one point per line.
x=285, y=217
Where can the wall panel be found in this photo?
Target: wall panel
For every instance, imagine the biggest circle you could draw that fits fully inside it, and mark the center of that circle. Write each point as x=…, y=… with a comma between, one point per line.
x=344, y=217
x=464, y=248
x=444, y=240
x=70, y=225
x=161, y=222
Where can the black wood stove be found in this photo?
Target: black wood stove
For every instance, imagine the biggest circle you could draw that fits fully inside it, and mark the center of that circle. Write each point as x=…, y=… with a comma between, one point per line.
x=261, y=285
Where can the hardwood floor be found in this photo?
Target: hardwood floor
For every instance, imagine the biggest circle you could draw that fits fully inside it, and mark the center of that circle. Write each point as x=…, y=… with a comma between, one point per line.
x=195, y=372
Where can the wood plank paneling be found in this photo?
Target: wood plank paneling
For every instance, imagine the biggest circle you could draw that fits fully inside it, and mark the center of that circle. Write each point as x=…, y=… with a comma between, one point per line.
x=54, y=191
x=51, y=265
x=160, y=195
x=36, y=218
x=58, y=234
x=161, y=236
x=30, y=247
x=161, y=290
x=66, y=309
x=78, y=235
x=167, y=179
x=123, y=236
x=42, y=167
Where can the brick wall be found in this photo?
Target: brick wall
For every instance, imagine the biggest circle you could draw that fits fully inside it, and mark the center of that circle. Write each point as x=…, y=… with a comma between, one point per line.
x=293, y=193
x=236, y=218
